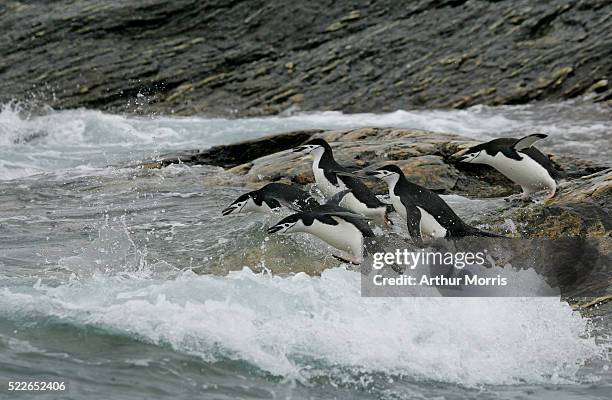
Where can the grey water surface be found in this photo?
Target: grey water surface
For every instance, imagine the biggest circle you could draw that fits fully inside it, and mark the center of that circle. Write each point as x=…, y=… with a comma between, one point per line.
x=128, y=283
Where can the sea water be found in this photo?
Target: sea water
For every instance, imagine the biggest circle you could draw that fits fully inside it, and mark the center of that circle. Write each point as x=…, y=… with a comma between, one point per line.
x=128, y=283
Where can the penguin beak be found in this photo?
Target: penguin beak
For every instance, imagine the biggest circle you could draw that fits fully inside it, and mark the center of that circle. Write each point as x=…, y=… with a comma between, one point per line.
x=275, y=228
x=229, y=210
x=467, y=158
x=235, y=206
x=299, y=149
x=461, y=155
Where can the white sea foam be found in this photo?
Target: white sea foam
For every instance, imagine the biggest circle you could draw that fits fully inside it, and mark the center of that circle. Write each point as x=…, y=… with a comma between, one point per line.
x=56, y=140
x=300, y=327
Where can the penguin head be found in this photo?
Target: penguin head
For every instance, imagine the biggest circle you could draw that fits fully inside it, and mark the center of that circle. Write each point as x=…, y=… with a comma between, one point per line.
x=473, y=154
x=388, y=173
x=290, y=224
x=244, y=203
x=314, y=146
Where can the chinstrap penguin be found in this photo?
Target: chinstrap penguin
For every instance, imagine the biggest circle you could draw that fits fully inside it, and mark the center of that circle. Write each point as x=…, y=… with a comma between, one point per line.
x=519, y=161
x=270, y=198
x=332, y=178
x=426, y=214
x=335, y=225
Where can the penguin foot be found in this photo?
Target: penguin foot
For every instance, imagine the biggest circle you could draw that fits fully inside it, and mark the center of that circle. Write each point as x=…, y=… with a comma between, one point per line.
x=543, y=197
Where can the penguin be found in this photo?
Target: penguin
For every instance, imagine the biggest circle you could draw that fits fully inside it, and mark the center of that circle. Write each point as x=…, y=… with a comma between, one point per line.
x=270, y=198
x=332, y=178
x=335, y=225
x=426, y=214
x=519, y=161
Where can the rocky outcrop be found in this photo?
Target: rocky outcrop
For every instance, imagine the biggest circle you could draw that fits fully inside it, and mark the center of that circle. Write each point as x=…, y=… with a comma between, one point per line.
x=232, y=155
x=567, y=239
x=580, y=208
x=261, y=57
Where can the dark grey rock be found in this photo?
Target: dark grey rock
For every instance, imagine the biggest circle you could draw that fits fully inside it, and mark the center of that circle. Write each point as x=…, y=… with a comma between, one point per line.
x=231, y=155
x=261, y=57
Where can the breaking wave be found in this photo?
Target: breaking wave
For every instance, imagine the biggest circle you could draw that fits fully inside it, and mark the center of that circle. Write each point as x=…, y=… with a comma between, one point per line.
x=52, y=140
x=302, y=327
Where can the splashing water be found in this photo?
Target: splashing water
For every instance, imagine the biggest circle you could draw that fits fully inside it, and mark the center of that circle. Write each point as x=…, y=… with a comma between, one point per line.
x=67, y=139
x=284, y=325
x=98, y=288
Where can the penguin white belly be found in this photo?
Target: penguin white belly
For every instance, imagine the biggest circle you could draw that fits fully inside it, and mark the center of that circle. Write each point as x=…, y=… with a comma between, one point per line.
x=527, y=173
x=263, y=209
x=344, y=236
x=397, y=205
x=251, y=206
x=377, y=214
x=328, y=188
x=429, y=226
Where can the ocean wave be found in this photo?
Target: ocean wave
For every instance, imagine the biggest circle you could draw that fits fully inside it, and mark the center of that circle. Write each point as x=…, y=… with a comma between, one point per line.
x=51, y=140
x=302, y=328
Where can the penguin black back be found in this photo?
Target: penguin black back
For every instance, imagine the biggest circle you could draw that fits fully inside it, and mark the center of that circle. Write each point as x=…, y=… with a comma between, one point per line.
x=334, y=172
x=360, y=191
x=414, y=196
x=325, y=212
x=287, y=195
x=507, y=146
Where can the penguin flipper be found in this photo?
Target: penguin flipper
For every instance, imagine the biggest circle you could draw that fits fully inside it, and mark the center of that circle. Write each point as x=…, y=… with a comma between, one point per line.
x=278, y=194
x=413, y=221
x=330, y=209
x=337, y=198
x=300, y=205
x=273, y=204
x=348, y=214
x=545, y=161
x=326, y=212
x=528, y=141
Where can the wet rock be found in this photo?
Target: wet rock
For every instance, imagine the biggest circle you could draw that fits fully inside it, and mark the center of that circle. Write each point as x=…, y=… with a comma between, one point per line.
x=243, y=58
x=232, y=155
x=580, y=208
x=587, y=305
x=427, y=157
x=273, y=257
